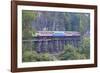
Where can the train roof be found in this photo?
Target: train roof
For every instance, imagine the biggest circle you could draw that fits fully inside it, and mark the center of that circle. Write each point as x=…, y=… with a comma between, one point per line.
x=57, y=33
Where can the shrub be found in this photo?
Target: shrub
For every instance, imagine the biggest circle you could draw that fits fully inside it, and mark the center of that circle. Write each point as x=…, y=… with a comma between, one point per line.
x=85, y=47
x=71, y=53
x=29, y=56
x=33, y=56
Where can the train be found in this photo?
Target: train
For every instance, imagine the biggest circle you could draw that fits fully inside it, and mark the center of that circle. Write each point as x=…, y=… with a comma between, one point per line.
x=57, y=33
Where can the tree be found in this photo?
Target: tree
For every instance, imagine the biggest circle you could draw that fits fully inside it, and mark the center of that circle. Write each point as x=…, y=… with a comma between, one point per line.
x=27, y=17
x=84, y=23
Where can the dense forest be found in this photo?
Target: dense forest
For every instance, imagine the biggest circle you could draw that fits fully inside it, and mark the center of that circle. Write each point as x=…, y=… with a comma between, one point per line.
x=33, y=21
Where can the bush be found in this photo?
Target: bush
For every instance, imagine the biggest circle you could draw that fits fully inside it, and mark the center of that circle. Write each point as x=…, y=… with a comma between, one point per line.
x=45, y=57
x=29, y=56
x=85, y=47
x=71, y=53
x=33, y=56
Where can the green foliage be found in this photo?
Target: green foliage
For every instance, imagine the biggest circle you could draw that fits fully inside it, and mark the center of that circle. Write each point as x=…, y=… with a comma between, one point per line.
x=85, y=46
x=32, y=56
x=68, y=25
x=27, y=34
x=33, y=32
x=84, y=23
x=26, y=46
x=45, y=57
x=77, y=22
x=27, y=17
x=27, y=56
x=71, y=53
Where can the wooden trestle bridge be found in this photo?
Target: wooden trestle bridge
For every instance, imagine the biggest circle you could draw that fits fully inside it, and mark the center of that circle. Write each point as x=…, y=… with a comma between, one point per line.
x=54, y=42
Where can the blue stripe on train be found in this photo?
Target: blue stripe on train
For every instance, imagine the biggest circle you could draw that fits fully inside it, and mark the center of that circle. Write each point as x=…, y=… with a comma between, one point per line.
x=58, y=34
